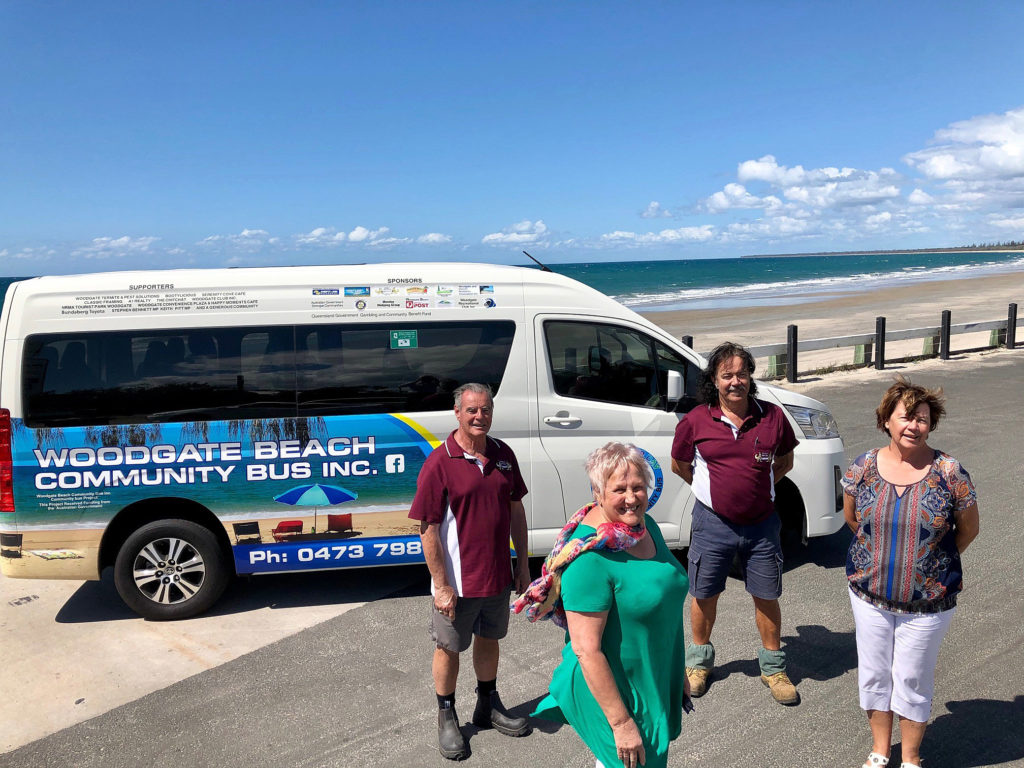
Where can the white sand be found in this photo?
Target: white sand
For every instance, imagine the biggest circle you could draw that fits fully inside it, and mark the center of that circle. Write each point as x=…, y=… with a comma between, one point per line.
x=909, y=306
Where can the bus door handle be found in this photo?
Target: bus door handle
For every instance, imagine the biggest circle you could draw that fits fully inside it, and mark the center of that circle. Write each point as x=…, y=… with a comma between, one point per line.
x=563, y=419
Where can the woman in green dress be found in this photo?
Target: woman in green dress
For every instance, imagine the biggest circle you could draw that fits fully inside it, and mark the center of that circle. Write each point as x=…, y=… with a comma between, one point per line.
x=622, y=682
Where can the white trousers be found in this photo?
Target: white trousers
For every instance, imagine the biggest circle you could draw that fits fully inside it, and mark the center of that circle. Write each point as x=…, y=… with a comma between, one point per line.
x=896, y=656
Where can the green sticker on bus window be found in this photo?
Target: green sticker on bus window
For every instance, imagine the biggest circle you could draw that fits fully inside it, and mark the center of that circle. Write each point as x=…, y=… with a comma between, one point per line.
x=404, y=339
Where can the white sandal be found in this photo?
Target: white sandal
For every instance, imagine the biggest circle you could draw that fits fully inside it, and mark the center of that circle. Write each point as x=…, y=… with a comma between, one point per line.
x=875, y=760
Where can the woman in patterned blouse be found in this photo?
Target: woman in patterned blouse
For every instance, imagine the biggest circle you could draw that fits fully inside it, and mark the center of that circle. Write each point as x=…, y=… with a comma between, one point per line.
x=913, y=512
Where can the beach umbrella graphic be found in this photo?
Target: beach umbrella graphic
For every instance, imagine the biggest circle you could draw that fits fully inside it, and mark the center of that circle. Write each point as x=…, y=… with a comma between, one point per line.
x=316, y=495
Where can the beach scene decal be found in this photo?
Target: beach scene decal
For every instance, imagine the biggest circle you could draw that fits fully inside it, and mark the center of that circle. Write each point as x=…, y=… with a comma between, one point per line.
x=292, y=494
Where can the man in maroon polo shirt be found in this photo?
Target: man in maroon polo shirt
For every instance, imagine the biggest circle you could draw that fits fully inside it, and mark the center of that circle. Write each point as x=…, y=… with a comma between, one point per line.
x=732, y=449
x=469, y=501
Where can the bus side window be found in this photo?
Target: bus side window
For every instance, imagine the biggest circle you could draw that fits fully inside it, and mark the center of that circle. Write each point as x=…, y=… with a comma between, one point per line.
x=47, y=360
x=74, y=372
x=614, y=364
x=362, y=369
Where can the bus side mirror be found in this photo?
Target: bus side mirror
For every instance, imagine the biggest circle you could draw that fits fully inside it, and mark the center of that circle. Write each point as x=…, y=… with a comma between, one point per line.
x=674, y=388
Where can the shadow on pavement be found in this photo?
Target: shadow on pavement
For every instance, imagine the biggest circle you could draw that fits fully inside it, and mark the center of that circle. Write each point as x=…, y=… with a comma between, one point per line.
x=822, y=551
x=745, y=667
x=976, y=732
x=544, y=726
x=99, y=601
x=818, y=653
x=814, y=653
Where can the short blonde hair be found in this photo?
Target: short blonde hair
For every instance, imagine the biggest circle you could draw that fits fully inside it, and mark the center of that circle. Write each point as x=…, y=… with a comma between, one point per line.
x=603, y=462
x=912, y=396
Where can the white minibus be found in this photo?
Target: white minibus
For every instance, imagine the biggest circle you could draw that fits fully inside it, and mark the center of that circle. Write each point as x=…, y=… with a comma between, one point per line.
x=182, y=426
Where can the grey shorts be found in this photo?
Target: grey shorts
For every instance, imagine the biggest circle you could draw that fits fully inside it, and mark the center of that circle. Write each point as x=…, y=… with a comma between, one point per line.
x=715, y=541
x=483, y=616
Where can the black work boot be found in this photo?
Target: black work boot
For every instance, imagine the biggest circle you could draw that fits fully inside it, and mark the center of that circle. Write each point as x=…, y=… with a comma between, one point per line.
x=449, y=737
x=491, y=713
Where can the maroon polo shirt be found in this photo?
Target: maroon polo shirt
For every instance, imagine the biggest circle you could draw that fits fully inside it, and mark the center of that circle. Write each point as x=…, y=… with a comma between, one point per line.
x=472, y=505
x=732, y=467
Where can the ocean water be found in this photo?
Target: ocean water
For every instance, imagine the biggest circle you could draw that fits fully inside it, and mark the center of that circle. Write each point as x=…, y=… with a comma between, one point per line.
x=716, y=283
x=651, y=286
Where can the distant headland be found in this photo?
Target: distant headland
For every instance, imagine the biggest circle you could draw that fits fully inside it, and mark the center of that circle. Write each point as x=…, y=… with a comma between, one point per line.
x=1013, y=245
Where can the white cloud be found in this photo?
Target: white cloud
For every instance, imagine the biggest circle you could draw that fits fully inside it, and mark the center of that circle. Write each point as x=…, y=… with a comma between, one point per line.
x=806, y=193
x=377, y=238
x=982, y=147
x=936, y=164
x=41, y=253
x=920, y=197
x=321, y=236
x=384, y=243
x=434, y=238
x=654, y=210
x=768, y=170
x=1016, y=222
x=362, y=234
x=681, y=235
x=734, y=196
x=769, y=228
x=247, y=239
x=865, y=189
x=108, y=247
x=525, y=231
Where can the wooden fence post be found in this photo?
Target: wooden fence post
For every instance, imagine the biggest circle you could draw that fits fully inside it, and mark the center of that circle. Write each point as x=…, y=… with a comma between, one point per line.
x=1011, y=326
x=791, y=344
x=944, y=334
x=879, y=343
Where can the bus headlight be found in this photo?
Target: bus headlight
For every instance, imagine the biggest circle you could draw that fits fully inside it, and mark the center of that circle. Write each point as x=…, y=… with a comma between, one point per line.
x=815, y=424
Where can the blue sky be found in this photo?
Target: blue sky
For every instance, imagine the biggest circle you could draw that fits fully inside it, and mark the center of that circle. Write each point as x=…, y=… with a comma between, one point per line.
x=251, y=133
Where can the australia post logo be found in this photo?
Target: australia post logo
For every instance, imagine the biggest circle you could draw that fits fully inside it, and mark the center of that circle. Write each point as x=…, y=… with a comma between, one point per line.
x=417, y=304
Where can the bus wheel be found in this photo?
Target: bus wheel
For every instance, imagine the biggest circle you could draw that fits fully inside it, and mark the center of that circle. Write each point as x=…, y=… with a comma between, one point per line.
x=170, y=569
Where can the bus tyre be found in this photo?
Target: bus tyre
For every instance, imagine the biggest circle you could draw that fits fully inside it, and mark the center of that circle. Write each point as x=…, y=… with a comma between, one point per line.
x=170, y=569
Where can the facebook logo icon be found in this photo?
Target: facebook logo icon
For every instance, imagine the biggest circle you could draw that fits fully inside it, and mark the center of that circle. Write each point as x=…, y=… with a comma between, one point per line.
x=394, y=462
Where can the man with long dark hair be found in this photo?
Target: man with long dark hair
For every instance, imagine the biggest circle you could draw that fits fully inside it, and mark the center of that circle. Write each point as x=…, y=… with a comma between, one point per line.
x=732, y=450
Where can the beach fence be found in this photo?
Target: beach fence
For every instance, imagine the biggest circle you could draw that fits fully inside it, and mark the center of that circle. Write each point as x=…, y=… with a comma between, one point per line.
x=870, y=348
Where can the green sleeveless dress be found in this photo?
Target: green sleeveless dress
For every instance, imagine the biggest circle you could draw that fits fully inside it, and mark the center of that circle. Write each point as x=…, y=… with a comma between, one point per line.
x=643, y=641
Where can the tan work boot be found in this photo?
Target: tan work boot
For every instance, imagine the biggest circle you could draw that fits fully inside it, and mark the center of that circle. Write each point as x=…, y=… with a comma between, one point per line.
x=698, y=678
x=782, y=688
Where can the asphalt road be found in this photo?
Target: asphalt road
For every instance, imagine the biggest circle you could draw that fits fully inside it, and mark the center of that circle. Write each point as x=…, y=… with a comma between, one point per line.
x=355, y=690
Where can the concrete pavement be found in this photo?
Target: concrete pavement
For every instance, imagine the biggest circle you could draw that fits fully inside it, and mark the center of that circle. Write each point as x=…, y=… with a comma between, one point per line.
x=355, y=689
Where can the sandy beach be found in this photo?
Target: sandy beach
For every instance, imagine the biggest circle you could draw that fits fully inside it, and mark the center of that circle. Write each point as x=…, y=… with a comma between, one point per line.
x=916, y=305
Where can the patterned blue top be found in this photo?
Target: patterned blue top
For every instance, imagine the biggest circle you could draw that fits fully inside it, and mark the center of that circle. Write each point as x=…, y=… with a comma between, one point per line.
x=903, y=557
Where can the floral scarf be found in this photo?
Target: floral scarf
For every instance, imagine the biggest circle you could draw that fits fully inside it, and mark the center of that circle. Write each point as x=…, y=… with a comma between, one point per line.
x=543, y=598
